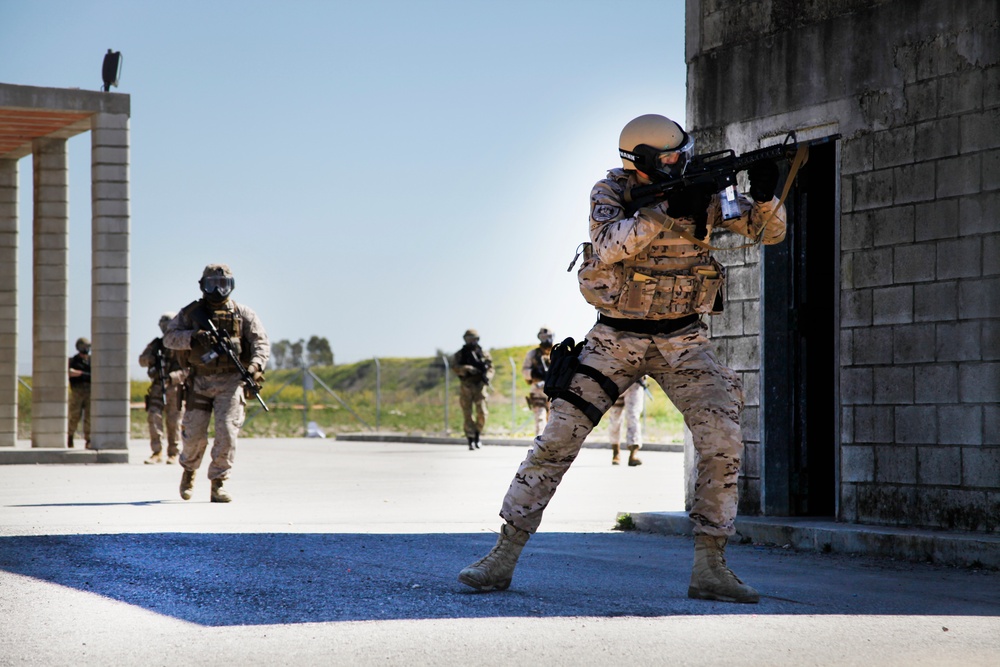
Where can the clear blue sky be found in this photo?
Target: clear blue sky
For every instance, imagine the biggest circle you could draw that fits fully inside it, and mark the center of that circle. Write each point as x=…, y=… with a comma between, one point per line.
x=385, y=173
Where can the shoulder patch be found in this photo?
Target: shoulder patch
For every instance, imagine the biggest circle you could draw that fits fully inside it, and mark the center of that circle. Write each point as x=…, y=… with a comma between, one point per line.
x=606, y=212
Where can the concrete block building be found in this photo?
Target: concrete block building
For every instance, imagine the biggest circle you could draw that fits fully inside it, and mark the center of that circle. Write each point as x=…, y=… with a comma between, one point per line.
x=868, y=342
x=37, y=122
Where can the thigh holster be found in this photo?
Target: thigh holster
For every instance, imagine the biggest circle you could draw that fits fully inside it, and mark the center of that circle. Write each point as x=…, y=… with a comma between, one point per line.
x=563, y=367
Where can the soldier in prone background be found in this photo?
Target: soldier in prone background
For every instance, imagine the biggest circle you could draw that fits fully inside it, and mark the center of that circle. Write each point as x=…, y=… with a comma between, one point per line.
x=534, y=368
x=164, y=407
x=629, y=406
x=649, y=272
x=474, y=368
x=215, y=383
x=79, y=392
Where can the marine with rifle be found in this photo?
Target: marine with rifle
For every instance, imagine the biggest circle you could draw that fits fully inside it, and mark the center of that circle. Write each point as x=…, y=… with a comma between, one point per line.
x=474, y=367
x=225, y=348
x=649, y=272
x=164, y=399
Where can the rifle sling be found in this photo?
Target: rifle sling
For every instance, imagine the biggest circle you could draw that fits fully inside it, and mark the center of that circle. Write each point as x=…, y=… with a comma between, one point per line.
x=801, y=157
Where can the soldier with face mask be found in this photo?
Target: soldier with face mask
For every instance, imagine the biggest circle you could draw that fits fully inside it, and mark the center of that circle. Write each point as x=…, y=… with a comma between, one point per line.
x=649, y=272
x=534, y=368
x=79, y=391
x=215, y=386
x=165, y=395
x=474, y=368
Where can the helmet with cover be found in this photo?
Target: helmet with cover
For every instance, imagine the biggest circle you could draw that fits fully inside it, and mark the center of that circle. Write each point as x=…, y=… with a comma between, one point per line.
x=83, y=345
x=655, y=146
x=471, y=336
x=545, y=336
x=165, y=320
x=217, y=283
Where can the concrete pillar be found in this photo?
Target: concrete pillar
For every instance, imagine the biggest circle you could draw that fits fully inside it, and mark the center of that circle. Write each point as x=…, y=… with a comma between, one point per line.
x=109, y=390
x=8, y=302
x=50, y=380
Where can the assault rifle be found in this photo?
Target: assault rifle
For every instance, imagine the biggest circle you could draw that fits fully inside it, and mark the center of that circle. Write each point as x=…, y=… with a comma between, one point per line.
x=161, y=368
x=221, y=344
x=719, y=168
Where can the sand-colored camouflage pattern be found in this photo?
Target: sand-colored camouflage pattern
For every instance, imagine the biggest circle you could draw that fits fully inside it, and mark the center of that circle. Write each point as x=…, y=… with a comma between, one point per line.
x=225, y=392
x=708, y=395
x=628, y=406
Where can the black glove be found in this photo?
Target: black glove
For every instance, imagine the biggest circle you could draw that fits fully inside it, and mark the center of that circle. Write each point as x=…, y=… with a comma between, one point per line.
x=202, y=338
x=763, y=181
x=689, y=202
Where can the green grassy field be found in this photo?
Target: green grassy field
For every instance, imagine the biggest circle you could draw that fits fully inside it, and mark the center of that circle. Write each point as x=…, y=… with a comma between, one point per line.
x=412, y=401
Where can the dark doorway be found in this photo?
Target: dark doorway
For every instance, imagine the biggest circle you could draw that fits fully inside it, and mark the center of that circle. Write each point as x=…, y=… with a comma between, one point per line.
x=799, y=319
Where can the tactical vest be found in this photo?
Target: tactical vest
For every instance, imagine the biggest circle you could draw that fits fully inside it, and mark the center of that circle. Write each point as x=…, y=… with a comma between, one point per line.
x=671, y=277
x=170, y=362
x=203, y=359
x=540, y=363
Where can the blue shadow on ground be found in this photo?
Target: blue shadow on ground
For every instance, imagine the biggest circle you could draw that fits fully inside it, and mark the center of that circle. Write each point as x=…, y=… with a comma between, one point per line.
x=277, y=578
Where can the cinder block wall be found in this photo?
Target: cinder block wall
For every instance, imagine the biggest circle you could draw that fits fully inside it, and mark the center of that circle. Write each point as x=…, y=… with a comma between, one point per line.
x=914, y=88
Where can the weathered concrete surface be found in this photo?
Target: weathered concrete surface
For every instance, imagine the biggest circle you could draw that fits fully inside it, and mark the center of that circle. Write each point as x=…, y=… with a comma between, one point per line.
x=346, y=554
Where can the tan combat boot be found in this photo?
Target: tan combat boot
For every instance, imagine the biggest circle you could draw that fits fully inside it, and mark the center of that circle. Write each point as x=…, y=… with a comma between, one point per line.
x=219, y=494
x=155, y=458
x=711, y=579
x=494, y=572
x=616, y=455
x=172, y=459
x=187, y=484
x=633, y=460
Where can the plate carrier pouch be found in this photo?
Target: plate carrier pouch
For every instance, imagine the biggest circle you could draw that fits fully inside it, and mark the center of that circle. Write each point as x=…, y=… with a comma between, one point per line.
x=640, y=292
x=563, y=367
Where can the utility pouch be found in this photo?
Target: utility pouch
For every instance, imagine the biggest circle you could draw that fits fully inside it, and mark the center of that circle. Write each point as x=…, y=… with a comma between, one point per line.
x=600, y=283
x=637, y=295
x=711, y=278
x=195, y=401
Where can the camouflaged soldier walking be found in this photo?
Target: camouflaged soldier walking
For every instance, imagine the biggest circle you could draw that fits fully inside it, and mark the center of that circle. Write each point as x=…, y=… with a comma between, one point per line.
x=534, y=369
x=164, y=398
x=215, y=386
x=649, y=273
x=474, y=368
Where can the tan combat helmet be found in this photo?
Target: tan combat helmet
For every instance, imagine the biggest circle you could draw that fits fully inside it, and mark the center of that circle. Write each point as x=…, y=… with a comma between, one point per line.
x=165, y=320
x=83, y=345
x=545, y=336
x=217, y=283
x=471, y=336
x=646, y=141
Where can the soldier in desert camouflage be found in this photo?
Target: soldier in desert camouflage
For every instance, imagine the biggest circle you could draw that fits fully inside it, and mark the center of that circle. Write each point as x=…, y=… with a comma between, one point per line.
x=215, y=386
x=534, y=368
x=474, y=367
x=649, y=272
x=163, y=400
x=629, y=407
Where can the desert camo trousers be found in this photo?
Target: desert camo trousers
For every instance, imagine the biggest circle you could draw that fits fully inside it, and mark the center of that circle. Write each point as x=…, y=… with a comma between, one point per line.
x=629, y=406
x=472, y=396
x=79, y=409
x=707, y=394
x=225, y=395
x=159, y=417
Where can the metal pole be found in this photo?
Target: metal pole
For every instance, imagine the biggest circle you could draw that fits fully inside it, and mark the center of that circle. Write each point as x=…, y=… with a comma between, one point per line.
x=339, y=399
x=26, y=385
x=513, y=395
x=378, y=393
x=306, y=386
x=447, y=375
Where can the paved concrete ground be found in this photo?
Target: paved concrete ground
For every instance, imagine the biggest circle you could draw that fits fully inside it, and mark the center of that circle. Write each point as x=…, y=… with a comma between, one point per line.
x=346, y=554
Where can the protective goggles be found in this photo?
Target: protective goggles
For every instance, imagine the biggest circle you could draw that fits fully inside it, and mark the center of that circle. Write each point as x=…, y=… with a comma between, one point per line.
x=221, y=285
x=649, y=159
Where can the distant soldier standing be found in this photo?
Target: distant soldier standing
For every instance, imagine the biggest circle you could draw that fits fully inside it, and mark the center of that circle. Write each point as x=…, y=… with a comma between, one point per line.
x=649, y=272
x=79, y=391
x=629, y=406
x=534, y=368
x=474, y=367
x=215, y=385
x=163, y=399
